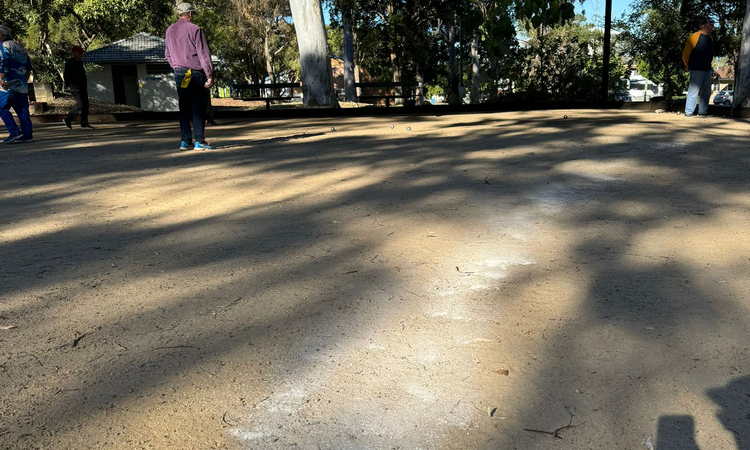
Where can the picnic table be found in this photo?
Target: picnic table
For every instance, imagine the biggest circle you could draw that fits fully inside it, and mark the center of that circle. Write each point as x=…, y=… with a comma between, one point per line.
x=265, y=92
x=406, y=90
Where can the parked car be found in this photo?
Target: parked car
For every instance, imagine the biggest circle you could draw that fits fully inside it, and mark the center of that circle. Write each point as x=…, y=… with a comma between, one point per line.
x=642, y=89
x=724, y=98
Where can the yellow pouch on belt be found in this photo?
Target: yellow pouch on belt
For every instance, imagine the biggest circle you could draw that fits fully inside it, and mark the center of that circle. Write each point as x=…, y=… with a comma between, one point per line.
x=186, y=79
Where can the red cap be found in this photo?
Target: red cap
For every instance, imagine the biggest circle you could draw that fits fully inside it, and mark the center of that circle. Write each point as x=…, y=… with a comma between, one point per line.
x=77, y=49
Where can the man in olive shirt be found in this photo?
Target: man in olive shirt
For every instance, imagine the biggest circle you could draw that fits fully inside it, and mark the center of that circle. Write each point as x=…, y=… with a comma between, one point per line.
x=697, y=57
x=75, y=79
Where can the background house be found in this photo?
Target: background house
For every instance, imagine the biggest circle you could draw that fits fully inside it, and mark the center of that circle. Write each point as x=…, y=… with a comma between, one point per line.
x=723, y=79
x=133, y=71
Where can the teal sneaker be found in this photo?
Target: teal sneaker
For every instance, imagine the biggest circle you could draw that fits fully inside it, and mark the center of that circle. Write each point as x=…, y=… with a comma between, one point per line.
x=202, y=146
x=184, y=145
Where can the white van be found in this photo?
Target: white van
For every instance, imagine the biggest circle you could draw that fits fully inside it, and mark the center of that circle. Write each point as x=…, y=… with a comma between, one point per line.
x=642, y=89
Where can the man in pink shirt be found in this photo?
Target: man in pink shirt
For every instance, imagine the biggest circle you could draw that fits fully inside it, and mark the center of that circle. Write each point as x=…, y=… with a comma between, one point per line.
x=186, y=50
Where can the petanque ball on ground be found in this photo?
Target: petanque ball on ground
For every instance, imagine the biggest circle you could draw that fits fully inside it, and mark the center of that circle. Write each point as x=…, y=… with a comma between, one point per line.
x=408, y=128
x=392, y=126
x=333, y=129
x=565, y=116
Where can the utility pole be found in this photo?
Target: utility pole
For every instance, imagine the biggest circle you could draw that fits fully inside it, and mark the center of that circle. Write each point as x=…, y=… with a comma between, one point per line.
x=607, y=51
x=460, y=60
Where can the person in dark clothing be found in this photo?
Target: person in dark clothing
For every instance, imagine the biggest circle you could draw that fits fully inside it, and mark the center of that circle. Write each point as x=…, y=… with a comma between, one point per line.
x=186, y=50
x=209, y=109
x=75, y=79
x=697, y=57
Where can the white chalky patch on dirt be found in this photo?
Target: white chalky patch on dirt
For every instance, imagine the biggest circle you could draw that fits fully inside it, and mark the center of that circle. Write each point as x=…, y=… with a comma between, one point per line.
x=421, y=392
x=248, y=435
x=555, y=198
x=498, y=268
x=286, y=402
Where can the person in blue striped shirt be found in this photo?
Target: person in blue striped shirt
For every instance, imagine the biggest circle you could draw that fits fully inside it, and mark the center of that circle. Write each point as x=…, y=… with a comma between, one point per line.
x=15, y=67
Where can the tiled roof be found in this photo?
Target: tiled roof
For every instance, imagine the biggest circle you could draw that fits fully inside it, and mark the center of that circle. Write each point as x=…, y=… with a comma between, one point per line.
x=140, y=48
x=725, y=73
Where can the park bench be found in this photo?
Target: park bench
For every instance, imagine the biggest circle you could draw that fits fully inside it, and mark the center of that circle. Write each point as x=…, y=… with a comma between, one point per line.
x=259, y=92
x=408, y=91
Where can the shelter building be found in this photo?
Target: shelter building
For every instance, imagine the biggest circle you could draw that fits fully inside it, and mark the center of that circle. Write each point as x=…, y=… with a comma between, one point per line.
x=133, y=71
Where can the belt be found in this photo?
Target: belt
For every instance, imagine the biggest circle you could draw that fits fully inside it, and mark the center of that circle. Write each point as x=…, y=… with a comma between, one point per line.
x=190, y=68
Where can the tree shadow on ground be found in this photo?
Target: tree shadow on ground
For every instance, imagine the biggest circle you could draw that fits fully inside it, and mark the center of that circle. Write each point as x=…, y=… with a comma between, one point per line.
x=173, y=330
x=734, y=400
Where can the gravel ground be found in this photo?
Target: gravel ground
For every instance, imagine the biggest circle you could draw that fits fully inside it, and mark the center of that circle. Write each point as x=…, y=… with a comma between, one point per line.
x=489, y=281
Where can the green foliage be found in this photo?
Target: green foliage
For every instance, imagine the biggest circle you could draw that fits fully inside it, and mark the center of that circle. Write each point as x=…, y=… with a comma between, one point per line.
x=224, y=43
x=565, y=63
x=544, y=13
x=253, y=38
x=15, y=15
x=335, y=37
x=654, y=34
x=497, y=31
x=434, y=89
x=48, y=28
x=408, y=39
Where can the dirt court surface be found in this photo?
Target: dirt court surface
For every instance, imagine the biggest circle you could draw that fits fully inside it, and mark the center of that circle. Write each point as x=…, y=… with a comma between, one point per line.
x=455, y=286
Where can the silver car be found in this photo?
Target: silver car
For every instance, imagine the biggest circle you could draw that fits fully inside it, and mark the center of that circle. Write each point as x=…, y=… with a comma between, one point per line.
x=724, y=98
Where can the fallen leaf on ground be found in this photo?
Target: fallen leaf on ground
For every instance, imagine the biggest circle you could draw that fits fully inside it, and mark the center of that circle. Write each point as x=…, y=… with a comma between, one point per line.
x=491, y=411
x=502, y=372
x=7, y=327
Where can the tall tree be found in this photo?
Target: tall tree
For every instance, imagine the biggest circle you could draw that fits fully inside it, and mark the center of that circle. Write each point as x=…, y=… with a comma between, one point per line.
x=315, y=65
x=475, y=77
x=52, y=26
x=565, y=63
x=654, y=33
x=264, y=23
x=347, y=10
x=742, y=83
x=350, y=92
x=498, y=35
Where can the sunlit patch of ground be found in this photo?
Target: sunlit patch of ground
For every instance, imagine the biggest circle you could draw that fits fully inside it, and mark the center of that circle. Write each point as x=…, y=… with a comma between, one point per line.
x=463, y=281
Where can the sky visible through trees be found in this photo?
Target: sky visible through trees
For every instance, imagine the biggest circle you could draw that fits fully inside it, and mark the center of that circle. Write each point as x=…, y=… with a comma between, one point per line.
x=594, y=10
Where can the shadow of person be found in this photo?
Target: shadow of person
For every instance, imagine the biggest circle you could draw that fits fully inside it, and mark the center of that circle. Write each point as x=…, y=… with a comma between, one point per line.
x=734, y=399
x=676, y=433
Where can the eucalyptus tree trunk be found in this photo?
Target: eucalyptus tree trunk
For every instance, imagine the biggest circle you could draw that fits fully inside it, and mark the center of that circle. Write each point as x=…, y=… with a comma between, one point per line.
x=317, y=81
x=454, y=95
x=350, y=92
x=358, y=56
x=420, y=94
x=475, y=68
x=269, y=61
x=495, y=71
x=742, y=80
x=357, y=79
x=395, y=60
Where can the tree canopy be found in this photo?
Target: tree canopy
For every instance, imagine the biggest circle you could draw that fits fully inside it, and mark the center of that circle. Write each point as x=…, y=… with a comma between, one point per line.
x=503, y=49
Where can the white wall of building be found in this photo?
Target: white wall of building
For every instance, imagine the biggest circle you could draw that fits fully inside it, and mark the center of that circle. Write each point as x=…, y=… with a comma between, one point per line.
x=158, y=90
x=100, y=85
